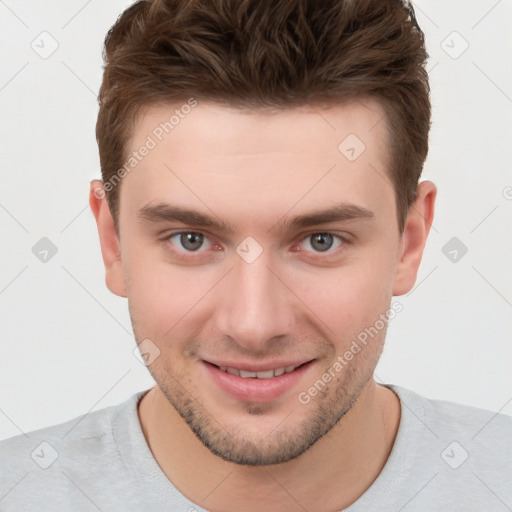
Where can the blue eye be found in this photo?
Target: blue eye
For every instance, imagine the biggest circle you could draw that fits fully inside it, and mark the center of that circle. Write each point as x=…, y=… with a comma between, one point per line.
x=190, y=241
x=322, y=242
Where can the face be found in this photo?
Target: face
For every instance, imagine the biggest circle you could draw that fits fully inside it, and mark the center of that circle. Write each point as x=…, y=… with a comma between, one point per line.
x=255, y=249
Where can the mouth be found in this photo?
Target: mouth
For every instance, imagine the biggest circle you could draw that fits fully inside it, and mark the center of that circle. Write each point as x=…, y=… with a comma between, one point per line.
x=267, y=374
x=256, y=383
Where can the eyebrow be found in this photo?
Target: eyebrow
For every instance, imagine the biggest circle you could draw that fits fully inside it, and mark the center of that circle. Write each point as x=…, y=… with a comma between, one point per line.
x=163, y=212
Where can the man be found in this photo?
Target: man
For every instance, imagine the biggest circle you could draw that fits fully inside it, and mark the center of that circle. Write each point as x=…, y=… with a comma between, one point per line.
x=259, y=209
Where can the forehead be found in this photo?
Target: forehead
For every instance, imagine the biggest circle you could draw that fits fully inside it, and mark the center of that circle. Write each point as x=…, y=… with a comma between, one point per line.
x=210, y=154
x=218, y=128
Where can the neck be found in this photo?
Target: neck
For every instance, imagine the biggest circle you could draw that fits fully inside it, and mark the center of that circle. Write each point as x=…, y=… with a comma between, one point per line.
x=339, y=467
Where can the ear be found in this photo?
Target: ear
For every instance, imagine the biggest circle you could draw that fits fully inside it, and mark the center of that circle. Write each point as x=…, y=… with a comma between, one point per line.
x=414, y=237
x=110, y=249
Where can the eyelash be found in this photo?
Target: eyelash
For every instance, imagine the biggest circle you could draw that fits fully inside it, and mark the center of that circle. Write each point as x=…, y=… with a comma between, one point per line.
x=189, y=255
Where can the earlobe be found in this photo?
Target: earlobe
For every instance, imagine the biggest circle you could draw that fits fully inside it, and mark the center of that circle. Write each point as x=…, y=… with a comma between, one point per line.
x=109, y=241
x=414, y=237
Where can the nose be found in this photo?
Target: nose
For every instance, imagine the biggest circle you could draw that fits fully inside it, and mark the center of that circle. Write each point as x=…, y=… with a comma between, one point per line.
x=254, y=306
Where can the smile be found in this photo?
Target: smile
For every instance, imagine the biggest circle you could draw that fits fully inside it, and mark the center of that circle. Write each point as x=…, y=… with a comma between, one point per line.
x=254, y=384
x=268, y=374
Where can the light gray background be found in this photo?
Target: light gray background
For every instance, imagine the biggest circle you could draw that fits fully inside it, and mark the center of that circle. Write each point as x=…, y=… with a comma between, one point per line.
x=66, y=341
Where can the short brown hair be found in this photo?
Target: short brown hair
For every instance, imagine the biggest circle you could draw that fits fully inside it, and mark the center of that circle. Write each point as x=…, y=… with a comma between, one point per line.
x=268, y=53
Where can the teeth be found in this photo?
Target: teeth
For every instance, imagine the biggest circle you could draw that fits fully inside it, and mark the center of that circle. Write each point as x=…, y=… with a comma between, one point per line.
x=267, y=374
x=245, y=374
x=264, y=375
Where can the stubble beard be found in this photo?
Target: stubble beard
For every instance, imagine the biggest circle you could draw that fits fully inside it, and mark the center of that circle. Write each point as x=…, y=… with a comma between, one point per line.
x=285, y=442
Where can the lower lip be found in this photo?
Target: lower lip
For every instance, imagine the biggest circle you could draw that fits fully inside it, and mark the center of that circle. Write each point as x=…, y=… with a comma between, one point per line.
x=254, y=389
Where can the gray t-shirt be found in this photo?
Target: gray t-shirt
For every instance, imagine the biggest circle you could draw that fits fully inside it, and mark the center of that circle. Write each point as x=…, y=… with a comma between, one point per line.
x=445, y=457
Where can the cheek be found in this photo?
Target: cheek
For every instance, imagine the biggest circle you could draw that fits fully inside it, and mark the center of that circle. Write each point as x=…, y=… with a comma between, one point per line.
x=348, y=299
x=153, y=291
x=164, y=298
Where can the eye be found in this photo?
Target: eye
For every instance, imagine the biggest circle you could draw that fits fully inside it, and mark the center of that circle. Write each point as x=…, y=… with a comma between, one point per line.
x=321, y=242
x=189, y=241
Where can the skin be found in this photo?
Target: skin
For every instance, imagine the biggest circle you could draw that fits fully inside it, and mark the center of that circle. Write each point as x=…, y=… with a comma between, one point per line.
x=251, y=170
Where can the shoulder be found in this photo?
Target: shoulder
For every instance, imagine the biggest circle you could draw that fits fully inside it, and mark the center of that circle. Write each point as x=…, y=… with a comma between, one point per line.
x=451, y=418
x=57, y=460
x=467, y=451
x=90, y=430
x=446, y=456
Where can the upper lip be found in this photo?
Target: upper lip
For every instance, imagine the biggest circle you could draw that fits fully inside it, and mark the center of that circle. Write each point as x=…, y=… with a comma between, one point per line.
x=257, y=367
